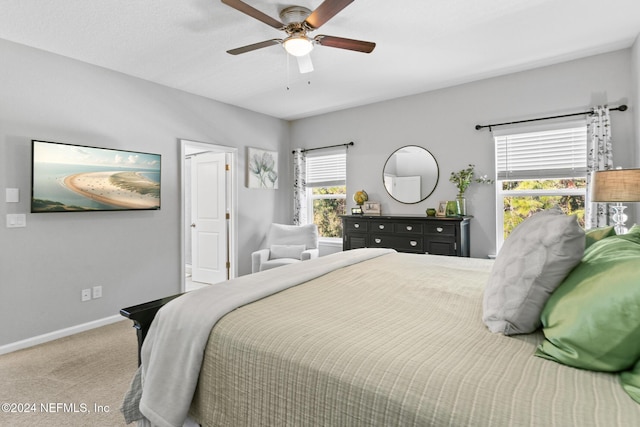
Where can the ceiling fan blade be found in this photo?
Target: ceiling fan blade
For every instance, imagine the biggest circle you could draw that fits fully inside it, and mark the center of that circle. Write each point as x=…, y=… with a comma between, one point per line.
x=255, y=46
x=342, y=43
x=254, y=13
x=304, y=63
x=327, y=10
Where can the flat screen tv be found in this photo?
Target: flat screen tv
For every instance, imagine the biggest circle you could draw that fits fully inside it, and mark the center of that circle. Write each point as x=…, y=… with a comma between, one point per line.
x=77, y=178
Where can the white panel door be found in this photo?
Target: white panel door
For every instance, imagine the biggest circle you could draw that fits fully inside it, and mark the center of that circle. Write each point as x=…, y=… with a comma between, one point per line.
x=208, y=223
x=407, y=188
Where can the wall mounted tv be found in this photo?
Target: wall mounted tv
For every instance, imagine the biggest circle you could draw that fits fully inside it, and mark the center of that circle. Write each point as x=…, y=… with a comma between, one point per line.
x=77, y=178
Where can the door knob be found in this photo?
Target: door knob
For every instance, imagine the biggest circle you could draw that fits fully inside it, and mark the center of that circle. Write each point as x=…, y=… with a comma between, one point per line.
x=193, y=225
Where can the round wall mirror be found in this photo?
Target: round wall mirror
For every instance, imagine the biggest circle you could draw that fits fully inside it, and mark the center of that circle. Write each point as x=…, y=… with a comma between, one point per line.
x=410, y=174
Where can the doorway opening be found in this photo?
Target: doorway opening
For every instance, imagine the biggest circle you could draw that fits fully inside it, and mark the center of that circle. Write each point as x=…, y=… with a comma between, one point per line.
x=208, y=213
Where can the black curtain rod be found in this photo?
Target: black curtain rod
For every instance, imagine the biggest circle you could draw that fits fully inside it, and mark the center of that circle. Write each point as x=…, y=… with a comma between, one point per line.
x=322, y=148
x=478, y=127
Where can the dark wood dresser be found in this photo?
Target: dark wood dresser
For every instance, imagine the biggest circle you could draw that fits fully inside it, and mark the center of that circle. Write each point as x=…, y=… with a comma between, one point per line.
x=415, y=234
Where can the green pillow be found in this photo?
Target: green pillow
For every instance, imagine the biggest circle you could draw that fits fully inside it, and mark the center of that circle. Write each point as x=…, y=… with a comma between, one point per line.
x=592, y=320
x=597, y=234
x=631, y=382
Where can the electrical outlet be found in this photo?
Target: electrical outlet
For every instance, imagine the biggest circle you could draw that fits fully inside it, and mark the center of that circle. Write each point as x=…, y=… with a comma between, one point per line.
x=86, y=295
x=97, y=292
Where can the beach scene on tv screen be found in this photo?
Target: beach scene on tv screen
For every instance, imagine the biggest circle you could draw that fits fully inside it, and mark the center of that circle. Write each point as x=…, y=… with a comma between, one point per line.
x=78, y=178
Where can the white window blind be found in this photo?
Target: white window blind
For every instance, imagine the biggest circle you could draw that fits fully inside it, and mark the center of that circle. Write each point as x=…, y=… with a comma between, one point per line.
x=549, y=154
x=327, y=170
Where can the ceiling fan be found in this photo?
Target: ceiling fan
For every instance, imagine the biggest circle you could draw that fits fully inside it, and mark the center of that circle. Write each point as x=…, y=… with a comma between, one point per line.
x=297, y=22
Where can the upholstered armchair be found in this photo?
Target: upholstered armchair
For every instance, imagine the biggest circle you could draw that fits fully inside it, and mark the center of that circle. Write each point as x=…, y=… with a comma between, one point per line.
x=286, y=244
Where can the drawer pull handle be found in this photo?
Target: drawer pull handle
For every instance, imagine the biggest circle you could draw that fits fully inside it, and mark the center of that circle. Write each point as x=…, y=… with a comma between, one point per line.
x=381, y=226
x=378, y=240
x=439, y=229
x=409, y=228
x=356, y=225
x=413, y=243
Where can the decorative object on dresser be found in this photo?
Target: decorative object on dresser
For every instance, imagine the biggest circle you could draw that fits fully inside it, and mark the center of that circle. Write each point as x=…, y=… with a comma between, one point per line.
x=431, y=212
x=462, y=180
x=360, y=197
x=617, y=185
x=371, y=208
x=442, y=209
x=414, y=234
x=453, y=208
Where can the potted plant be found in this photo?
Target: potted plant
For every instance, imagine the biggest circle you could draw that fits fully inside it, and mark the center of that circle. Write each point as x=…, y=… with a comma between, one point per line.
x=462, y=180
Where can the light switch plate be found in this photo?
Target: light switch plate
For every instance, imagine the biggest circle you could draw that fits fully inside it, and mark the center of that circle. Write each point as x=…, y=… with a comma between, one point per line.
x=16, y=220
x=13, y=195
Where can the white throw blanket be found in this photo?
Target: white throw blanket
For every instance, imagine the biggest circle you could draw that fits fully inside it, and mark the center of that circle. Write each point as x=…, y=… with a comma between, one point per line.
x=173, y=350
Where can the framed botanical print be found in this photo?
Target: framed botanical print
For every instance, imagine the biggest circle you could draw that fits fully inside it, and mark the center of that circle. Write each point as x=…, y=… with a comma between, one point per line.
x=262, y=168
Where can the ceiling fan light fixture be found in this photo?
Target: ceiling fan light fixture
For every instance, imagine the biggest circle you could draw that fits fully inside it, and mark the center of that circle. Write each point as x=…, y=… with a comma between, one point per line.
x=298, y=45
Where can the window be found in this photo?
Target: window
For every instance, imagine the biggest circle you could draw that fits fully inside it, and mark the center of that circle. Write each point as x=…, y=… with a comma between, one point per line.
x=539, y=169
x=326, y=179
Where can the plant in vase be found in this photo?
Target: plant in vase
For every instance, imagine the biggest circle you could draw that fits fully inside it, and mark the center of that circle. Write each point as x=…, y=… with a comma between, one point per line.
x=462, y=180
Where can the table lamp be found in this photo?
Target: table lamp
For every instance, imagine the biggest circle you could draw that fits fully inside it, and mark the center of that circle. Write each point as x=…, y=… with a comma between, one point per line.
x=616, y=185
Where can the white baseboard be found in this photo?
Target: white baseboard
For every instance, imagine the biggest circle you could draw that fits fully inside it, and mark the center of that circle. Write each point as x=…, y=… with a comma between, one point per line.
x=50, y=336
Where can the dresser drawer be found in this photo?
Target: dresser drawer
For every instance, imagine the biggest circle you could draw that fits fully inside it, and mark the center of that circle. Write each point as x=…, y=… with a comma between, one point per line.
x=354, y=225
x=382, y=227
x=355, y=241
x=408, y=227
x=441, y=229
x=399, y=243
x=441, y=247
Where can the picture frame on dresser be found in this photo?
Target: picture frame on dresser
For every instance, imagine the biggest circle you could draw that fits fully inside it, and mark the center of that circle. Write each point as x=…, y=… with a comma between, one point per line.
x=371, y=208
x=442, y=209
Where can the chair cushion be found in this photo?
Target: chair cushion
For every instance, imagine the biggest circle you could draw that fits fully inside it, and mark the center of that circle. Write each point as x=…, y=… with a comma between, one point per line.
x=282, y=234
x=286, y=251
x=273, y=263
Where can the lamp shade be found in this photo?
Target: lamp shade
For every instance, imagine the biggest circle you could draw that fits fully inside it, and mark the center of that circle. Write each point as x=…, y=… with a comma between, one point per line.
x=615, y=185
x=298, y=45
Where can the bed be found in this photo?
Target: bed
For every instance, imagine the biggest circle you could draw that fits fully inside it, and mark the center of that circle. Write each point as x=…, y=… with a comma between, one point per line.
x=368, y=337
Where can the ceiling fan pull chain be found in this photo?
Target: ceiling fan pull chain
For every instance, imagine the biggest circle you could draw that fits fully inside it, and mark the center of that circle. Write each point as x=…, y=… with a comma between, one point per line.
x=288, y=73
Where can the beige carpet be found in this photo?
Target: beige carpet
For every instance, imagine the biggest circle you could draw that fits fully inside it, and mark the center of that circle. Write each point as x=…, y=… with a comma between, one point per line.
x=80, y=380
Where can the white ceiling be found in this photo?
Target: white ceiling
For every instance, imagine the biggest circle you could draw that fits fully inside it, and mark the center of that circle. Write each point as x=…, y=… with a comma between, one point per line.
x=421, y=44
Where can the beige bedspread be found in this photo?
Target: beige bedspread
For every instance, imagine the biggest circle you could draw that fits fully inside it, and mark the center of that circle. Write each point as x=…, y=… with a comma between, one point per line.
x=395, y=341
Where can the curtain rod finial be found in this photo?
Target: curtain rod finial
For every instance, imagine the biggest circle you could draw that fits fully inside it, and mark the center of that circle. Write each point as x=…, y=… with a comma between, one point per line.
x=478, y=127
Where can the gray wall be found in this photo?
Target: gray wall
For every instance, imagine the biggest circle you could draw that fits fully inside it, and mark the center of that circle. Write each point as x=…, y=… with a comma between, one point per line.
x=135, y=256
x=443, y=122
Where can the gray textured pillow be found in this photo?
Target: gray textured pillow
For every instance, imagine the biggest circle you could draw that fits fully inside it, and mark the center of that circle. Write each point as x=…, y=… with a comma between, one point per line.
x=532, y=263
x=286, y=251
